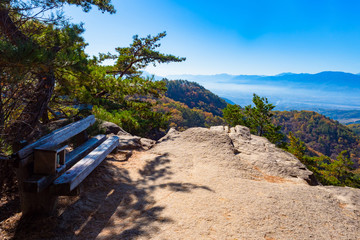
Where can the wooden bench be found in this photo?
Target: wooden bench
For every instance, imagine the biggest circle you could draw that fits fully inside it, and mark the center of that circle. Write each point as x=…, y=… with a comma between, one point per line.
x=45, y=169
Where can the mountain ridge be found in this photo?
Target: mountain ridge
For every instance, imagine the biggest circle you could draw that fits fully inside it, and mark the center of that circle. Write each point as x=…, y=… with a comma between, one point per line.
x=330, y=90
x=288, y=76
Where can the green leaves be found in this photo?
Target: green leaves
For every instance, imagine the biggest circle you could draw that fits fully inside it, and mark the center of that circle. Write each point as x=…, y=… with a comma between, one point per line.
x=328, y=171
x=257, y=118
x=338, y=171
x=296, y=146
x=39, y=49
x=234, y=115
x=119, y=93
x=130, y=60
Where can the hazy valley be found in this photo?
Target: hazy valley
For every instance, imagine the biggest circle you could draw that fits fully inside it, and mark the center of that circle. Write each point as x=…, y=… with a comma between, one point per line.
x=334, y=94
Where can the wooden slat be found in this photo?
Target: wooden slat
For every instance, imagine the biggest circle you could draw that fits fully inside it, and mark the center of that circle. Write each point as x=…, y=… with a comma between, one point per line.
x=56, y=149
x=83, y=150
x=75, y=175
x=56, y=137
x=37, y=183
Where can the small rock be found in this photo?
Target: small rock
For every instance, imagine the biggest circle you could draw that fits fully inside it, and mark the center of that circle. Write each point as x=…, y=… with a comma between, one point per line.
x=147, y=143
x=171, y=135
x=220, y=129
x=240, y=131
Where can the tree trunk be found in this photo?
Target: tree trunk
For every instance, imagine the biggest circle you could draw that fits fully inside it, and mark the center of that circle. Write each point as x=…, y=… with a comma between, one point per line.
x=34, y=110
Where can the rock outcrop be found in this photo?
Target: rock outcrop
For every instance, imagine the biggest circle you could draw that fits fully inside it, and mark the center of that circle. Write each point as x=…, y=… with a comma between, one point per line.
x=127, y=141
x=237, y=146
x=266, y=156
x=112, y=128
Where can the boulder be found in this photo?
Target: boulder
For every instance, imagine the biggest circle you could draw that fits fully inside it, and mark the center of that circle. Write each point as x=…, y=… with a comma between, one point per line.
x=135, y=142
x=240, y=132
x=129, y=142
x=113, y=128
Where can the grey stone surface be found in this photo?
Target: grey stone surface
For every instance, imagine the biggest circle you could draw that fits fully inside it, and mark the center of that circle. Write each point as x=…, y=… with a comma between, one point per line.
x=113, y=128
x=147, y=143
x=220, y=128
x=171, y=135
x=129, y=142
x=266, y=156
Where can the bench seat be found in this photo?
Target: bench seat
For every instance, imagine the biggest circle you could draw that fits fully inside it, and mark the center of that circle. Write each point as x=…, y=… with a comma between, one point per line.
x=69, y=180
x=37, y=182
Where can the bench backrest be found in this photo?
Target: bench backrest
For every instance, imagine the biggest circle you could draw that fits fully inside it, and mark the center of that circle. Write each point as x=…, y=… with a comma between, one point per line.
x=25, y=155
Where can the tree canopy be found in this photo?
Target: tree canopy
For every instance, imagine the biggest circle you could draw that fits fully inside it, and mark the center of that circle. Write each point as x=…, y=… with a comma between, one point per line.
x=327, y=171
x=118, y=92
x=37, y=45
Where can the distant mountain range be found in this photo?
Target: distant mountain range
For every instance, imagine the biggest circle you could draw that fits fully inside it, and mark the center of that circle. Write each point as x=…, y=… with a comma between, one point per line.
x=322, y=91
x=327, y=79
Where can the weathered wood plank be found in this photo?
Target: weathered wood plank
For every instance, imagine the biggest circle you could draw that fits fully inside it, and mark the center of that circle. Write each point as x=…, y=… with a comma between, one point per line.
x=56, y=149
x=81, y=151
x=75, y=175
x=37, y=183
x=45, y=162
x=56, y=137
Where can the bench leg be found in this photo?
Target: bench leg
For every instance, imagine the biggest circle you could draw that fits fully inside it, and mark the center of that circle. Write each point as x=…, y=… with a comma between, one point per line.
x=43, y=203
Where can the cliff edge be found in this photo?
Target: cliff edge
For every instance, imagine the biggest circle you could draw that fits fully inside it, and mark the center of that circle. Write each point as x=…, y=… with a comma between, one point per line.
x=216, y=183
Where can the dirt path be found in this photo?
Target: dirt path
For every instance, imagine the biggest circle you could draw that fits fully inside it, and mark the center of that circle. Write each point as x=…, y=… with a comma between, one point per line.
x=194, y=185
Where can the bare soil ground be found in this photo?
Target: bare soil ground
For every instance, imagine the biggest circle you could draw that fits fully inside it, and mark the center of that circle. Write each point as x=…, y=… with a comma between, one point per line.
x=194, y=186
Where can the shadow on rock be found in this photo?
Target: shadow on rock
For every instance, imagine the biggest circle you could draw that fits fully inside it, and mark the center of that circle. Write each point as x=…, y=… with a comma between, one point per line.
x=112, y=206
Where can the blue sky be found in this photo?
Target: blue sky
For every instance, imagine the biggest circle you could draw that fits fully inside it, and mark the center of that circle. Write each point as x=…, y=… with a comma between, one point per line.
x=236, y=37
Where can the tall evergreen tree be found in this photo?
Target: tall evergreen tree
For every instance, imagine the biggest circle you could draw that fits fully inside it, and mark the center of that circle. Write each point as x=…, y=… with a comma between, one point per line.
x=37, y=43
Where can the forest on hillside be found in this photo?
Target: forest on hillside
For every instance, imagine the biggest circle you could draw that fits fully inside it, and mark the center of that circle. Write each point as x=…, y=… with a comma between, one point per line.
x=194, y=96
x=355, y=128
x=320, y=133
x=182, y=117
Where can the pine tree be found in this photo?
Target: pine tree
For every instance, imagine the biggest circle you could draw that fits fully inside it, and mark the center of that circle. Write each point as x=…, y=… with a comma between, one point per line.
x=119, y=93
x=296, y=147
x=258, y=118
